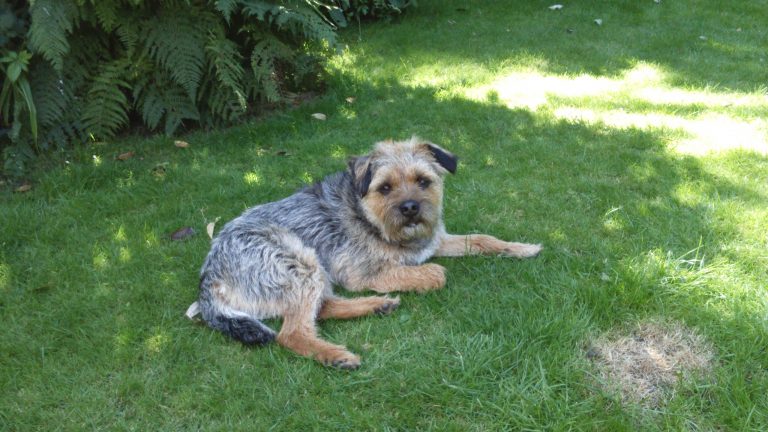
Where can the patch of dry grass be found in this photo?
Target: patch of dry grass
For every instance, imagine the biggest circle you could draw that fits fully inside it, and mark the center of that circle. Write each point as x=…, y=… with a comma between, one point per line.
x=644, y=365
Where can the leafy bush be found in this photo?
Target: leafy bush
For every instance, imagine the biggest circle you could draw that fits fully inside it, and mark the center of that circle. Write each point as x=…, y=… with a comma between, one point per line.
x=343, y=11
x=86, y=69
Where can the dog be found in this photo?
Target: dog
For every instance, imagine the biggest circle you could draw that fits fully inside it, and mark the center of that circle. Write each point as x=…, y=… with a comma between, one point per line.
x=371, y=227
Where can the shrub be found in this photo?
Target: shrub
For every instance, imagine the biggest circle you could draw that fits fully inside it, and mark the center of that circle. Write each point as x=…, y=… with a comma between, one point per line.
x=86, y=69
x=343, y=11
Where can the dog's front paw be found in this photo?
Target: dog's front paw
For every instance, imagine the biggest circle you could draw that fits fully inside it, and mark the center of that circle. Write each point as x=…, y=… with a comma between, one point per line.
x=521, y=250
x=432, y=277
x=388, y=305
x=340, y=359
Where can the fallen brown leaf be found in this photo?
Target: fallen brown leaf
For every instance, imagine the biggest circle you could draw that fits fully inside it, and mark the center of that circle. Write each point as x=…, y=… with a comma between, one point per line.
x=26, y=187
x=182, y=233
x=125, y=156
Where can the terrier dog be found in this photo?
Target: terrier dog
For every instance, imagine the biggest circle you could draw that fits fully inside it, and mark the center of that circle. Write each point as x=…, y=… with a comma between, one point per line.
x=370, y=227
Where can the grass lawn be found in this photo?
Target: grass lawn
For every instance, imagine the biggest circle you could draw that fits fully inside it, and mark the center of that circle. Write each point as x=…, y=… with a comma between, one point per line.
x=634, y=150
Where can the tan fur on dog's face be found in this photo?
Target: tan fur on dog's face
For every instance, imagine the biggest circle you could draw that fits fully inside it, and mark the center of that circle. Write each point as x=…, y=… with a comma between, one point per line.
x=400, y=172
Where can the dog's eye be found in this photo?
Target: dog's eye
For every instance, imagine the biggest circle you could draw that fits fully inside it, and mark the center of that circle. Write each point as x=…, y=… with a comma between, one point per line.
x=423, y=183
x=385, y=189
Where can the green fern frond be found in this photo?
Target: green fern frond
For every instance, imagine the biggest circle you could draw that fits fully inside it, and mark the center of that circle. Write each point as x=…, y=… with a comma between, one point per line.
x=225, y=59
x=128, y=32
x=51, y=96
x=176, y=44
x=298, y=19
x=50, y=22
x=158, y=98
x=152, y=107
x=61, y=135
x=148, y=98
x=179, y=108
x=106, y=13
x=266, y=52
x=307, y=22
x=260, y=9
x=106, y=106
x=222, y=106
x=226, y=7
x=82, y=62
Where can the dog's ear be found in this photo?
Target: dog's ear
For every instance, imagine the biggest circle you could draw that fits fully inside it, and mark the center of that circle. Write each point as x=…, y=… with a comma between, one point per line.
x=444, y=158
x=362, y=174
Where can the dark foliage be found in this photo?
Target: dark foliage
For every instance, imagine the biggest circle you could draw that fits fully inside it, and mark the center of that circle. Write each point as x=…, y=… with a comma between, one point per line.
x=78, y=70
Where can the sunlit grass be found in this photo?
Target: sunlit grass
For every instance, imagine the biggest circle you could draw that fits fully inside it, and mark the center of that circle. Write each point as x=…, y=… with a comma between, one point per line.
x=708, y=121
x=252, y=178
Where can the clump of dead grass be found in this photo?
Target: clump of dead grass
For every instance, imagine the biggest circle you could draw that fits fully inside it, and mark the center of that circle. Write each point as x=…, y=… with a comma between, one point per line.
x=644, y=365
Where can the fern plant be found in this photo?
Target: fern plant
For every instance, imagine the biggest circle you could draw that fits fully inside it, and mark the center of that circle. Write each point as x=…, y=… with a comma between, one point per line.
x=88, y=69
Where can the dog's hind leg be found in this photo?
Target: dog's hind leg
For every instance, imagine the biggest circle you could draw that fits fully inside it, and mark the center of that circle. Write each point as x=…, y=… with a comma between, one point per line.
x=336, y=307
x=307, y=286
x=299, y=335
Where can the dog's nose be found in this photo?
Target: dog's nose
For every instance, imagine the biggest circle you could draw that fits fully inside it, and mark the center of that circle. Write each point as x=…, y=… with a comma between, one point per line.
x=409, y=208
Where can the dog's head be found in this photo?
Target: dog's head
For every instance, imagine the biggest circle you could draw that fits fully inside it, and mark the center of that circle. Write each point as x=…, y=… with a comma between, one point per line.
x=400, y=185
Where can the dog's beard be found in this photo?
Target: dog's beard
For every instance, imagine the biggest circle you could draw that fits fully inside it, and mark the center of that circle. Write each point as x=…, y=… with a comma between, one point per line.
x=414, y=230
x=404, y=229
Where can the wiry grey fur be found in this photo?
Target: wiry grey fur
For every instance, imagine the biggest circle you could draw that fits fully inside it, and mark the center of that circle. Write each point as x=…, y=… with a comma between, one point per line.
x=260, y=255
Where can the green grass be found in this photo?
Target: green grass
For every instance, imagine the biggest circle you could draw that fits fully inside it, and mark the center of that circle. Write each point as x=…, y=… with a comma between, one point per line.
x=586, y=138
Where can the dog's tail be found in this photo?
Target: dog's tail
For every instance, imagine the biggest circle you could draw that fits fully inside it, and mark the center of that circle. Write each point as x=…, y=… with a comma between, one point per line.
x=238, y=326
x=244, y=329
